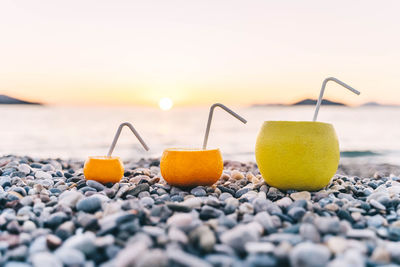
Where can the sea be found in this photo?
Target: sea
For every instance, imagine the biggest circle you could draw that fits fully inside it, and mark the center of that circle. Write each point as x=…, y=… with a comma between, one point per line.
x=366, y=134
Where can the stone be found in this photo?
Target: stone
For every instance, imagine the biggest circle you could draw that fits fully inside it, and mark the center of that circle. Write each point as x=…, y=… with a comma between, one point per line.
x=153, y=257
x=361, y=234
x=198, y=191
x=56, y=219
x=28, y=226
x=82, y=242
x=176, y=235
x=43, y=175
x=69, y=198
x=266, y=221
x=237, y=175
x=246, y=208
x=296, y=213
x=301, y=195
x=274, y=194
x=89, y=204
x=375, y=221
x=45, y=259
x=265, y=260
x=180, y=220
x=337, y=244
x=5, y=181
x=328, y=225
x=310, y=255
x=238, y=236
x=204, y=237
x=221, y=260
x=130, y=255
x=394, y=233
x=96, y=185
x=259, y=247
x=70, y=256
x=241, y=192
x=53, y=241
x=24, y=168
x=179, y=258
x=284, y=202
x=208, y=212
x=135, y=190
x=377, y=205
x=146, y=202
x=309, y=232
x=178, y=207
x=380, y=255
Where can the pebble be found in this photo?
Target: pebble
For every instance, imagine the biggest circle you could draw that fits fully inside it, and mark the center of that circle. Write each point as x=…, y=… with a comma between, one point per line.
x=51, y=216
x=328, y=225
x=309, y=232
x=259, y=247
x=134, y=191
x=96, y=185
x=179, y=258
x=301, y=195
x=43, y=175
x=89, y=205
x=377, y=205
x=147, y=202
x=310, y=255
x=237, y=175
x=45, y=259
x=204, y=237
x=296, y=213
x=361, y=234
x=53, y=241
x=24, y=168
x=198, y=192
x=238, y=236
x=70, y=257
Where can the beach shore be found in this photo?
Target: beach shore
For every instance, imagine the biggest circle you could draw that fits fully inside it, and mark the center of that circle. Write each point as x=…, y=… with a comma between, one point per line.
x=51, y=216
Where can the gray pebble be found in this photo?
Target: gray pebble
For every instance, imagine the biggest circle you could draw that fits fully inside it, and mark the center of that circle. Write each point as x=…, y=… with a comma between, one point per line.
x=89, y=204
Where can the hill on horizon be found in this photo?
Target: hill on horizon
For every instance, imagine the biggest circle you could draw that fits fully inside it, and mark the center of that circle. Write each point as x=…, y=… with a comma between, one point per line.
x=8, y=100
x=313, y=102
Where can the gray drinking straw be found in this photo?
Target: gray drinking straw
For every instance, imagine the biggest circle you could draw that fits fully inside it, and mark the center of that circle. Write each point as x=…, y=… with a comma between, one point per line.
x=323, y=90
x=210, y=115
x=130, y=126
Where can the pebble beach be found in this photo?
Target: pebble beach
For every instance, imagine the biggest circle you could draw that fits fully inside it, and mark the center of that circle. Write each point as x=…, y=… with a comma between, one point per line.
x=51, y=216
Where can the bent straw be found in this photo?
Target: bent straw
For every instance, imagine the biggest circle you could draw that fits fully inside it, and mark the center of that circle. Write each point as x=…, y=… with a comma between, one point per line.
x=116, y=137
x=210, y=115
x=323, y=90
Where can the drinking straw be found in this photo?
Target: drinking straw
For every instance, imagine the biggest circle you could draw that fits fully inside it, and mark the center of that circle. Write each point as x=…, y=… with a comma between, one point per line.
x=210, y=115
x=116, y=137
x=323, y=90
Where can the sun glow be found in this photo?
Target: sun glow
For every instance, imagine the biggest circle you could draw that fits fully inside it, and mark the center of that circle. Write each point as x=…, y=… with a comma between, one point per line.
x=165, y=103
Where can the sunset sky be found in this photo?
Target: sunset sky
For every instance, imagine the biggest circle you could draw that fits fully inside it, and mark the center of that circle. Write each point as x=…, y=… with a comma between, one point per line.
x=97, y=52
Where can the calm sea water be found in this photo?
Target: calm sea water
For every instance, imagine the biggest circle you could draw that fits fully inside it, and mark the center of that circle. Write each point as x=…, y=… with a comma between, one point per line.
x=366, y=134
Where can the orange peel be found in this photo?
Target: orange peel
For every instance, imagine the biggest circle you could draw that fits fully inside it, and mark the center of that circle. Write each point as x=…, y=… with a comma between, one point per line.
x=191, y=167
x=104, y=169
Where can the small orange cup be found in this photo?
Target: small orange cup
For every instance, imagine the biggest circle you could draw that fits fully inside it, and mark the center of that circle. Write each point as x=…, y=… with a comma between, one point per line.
x=104, y=169
x=191, y=167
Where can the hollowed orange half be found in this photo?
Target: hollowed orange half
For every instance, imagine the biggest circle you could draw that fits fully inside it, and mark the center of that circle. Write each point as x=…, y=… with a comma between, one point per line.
x=190, y=168
x=104, y=169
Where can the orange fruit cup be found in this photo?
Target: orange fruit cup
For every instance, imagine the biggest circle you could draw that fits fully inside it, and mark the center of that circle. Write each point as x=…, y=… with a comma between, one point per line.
x=104, y=169
x=191, y=167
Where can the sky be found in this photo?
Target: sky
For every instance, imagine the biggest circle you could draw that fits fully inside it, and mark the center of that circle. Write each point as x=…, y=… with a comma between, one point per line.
x=101, y=52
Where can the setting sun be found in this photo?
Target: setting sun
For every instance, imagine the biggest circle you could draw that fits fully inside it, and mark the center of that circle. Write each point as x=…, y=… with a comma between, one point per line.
x=165, y=103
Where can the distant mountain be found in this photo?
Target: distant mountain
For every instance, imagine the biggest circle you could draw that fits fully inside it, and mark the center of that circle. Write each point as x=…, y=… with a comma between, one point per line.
x=371, y=104
x=313, y=102
x=7, y=100
x=376, y=104
x=268, y=105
